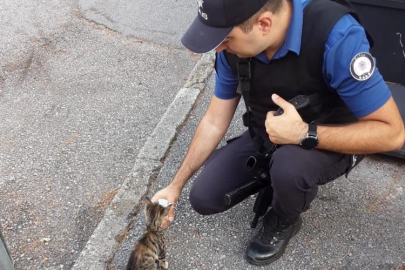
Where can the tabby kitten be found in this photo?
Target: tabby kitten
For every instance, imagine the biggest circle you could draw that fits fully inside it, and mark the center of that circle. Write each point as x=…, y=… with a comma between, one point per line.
x=149, y=252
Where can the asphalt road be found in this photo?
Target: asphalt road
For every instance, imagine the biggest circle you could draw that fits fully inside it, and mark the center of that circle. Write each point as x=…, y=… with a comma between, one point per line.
x=78, y=101
x=82, y=86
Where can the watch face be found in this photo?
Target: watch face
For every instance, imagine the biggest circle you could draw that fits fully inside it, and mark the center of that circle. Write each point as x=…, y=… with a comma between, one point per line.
x=309, y=142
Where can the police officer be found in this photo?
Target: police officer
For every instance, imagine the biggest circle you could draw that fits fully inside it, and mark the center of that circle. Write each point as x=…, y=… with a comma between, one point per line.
x=309, y=47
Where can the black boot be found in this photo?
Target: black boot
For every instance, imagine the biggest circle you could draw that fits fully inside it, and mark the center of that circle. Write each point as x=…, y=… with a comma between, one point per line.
x=269, y=244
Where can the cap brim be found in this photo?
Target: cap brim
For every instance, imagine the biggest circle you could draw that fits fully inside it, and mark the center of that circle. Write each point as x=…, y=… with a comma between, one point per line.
x=201, y=38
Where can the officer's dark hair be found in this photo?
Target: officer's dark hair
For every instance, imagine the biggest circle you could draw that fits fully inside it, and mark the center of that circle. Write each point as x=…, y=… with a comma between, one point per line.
x=273, y=6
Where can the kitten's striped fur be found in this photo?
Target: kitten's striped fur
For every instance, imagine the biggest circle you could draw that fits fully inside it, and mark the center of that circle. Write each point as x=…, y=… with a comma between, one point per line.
x=149, y=252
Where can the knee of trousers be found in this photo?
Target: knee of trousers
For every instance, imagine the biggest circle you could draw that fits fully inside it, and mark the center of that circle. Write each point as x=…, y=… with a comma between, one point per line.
x=287, y=177
x=203, y=204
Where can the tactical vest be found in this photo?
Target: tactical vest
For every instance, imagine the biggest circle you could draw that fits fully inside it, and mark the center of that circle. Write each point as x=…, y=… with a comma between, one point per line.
x=301, y=74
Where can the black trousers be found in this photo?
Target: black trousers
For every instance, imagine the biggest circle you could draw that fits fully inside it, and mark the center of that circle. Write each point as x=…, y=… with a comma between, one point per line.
x=295, y=175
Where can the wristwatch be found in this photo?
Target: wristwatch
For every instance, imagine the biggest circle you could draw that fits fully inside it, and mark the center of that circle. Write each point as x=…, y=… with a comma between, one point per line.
x=310, y=141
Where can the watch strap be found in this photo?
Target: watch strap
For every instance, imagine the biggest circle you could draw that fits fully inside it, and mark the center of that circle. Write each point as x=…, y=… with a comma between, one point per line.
x=312, y=127
x=310, y=140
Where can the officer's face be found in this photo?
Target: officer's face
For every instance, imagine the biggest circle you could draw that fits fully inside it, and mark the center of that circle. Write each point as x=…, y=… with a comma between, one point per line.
x=242, y=44
x=267, y=35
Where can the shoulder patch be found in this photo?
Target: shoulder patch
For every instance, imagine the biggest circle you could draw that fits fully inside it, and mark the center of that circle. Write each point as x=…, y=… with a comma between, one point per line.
x=362, y=66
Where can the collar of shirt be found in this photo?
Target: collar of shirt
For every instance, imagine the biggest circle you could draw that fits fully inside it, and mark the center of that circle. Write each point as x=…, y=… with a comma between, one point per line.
x=293, y=38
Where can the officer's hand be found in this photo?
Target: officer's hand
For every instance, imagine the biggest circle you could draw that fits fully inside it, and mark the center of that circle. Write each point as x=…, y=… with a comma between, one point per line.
x=287, y=128
x=171, y=194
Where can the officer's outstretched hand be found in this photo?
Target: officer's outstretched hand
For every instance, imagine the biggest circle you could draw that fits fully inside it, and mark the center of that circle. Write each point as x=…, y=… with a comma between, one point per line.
x=171, y=194
x=288, y=128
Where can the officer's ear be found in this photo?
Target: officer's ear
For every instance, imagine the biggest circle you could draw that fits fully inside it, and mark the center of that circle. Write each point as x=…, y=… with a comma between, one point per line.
x=264, y=22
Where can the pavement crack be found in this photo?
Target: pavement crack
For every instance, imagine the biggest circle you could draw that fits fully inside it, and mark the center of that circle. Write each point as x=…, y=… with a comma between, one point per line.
x=26, y=66
x=154, y=31
x=101, y=13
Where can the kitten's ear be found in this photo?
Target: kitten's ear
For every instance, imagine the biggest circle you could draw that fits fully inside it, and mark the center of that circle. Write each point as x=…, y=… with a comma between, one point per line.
x=166, y=210
x=148, y=201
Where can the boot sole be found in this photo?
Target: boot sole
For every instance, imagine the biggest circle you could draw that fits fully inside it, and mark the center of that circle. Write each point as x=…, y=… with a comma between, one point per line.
x=275, y=258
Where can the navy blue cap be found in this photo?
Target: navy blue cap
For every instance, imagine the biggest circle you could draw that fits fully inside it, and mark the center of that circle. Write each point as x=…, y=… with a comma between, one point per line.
x=215, y=20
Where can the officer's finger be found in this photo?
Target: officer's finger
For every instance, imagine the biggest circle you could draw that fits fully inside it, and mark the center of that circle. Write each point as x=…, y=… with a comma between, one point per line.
x=279, y=101
x=171, y=213
x=270, y=114
x=170, y=218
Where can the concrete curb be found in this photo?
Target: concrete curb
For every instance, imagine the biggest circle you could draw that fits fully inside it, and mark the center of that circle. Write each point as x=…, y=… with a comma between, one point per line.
x=112, y=229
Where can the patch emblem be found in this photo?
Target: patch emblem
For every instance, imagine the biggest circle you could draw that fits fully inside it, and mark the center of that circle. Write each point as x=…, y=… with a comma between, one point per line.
x=362, y=66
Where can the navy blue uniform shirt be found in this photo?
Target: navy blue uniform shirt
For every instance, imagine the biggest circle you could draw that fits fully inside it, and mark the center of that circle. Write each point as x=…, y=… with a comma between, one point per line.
x=346, y=39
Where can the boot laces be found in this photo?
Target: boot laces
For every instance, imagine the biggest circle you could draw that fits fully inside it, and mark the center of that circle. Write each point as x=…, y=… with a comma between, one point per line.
x=271, y=230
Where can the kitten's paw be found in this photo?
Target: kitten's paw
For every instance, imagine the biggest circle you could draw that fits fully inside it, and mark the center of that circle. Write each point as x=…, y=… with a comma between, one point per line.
x=165, y=265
